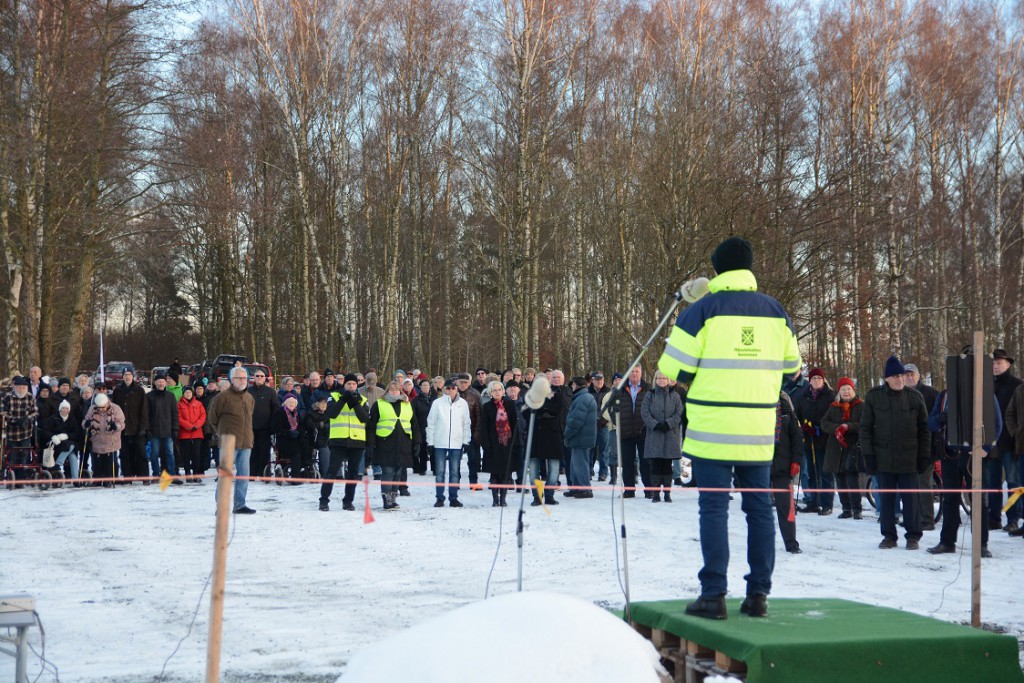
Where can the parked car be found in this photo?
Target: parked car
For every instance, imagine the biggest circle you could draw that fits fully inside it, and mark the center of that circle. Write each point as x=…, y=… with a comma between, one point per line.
x=113, y=373
x=220, y=366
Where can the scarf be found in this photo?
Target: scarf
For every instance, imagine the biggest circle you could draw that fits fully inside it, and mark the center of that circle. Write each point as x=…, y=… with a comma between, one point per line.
x=778, y=421
x=293, y=418
x=846, y=406
x=501, y=424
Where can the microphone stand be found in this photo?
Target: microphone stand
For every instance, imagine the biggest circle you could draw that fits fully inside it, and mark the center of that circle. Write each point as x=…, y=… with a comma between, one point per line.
x=618, y=402
x=522, y=498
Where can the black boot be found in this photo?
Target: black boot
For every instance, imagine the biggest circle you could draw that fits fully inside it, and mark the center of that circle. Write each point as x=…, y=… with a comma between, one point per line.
x=755, y=605
x=387, y=501
x=495, y=498
x=536, y=500
x=501, y=498
x=668, y=494
x=614, y=474
x=549, y=498
x=708, y=607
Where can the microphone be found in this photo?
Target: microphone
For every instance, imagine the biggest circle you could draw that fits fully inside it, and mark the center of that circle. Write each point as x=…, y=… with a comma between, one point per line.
x=693, y=290
x=538, y=393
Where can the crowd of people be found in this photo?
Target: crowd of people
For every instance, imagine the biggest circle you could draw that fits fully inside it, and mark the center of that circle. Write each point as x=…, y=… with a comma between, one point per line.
x=832, y=442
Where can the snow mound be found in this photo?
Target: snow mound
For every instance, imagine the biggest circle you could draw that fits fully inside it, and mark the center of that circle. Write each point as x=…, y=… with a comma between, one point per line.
x=539, y=636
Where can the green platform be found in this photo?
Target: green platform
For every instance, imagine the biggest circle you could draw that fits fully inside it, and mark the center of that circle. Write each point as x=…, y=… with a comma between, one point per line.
x=842, y=642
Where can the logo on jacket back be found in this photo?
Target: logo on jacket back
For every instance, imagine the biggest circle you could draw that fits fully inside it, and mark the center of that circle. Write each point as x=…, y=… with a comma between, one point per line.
x=747, y=336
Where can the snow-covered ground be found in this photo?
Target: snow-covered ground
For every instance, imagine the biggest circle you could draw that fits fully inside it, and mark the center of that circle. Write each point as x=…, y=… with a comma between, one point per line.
x=117, y=574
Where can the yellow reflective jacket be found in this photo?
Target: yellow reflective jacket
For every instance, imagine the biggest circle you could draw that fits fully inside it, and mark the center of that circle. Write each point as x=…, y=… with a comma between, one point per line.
x=733, y=347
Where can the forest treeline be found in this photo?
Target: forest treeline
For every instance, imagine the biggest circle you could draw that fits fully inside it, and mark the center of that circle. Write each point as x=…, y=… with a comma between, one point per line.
x=442, y=183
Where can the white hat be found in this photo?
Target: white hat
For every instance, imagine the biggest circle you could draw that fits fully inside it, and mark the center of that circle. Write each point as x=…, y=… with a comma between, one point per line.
x=63, y=405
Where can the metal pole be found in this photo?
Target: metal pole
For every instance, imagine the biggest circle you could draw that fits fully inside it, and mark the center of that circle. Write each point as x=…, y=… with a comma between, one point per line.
x=522, y=498
x=617, y=402
x=622, y=507
x=977, y=454
x=225, y=491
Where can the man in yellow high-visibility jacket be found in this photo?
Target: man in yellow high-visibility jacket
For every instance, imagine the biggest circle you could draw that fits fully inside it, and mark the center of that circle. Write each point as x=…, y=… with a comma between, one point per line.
x=733, y=348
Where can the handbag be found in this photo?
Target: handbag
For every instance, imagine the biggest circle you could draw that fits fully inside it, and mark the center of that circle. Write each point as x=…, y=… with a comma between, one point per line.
x=48, y=460
x=853, y=460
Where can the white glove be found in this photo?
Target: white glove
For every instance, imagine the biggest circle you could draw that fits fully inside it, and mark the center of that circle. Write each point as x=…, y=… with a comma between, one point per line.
x=694, y=289
x=55, y=439
x=62, y=438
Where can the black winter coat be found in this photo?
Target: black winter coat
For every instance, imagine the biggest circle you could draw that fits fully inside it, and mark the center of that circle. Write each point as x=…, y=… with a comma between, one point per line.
x=75, y=400
x=789, y=448
x=163, y=414
x=632, y=419
x=134, y=404
x=599, y=397
x=206, y=399
x=504, y=459
x=547, y=428
x=265, y=405
x=291, y=444
x=1004, y=385
x=835, y=454
x=396, y=449
x=318, y=426
x=421, y=409
x=812, y=409
x=930, y=396
x=56, y=425
x=894, y=431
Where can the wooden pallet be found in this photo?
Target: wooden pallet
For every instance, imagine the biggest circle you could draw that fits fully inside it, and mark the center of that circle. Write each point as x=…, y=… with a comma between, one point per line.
x=688, y=661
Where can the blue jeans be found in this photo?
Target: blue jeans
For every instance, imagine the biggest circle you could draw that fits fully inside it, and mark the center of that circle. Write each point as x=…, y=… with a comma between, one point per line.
x=602, y=451
x=452, y=458
x=241, y=470
x=323, y=458
x=714, y=525
x=72, y=455
x=579, y=464
x=552, y=479
x=994, y=469
x=166, y=445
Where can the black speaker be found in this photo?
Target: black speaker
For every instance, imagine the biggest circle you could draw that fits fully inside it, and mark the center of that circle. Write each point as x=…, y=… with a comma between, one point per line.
x=960, y=401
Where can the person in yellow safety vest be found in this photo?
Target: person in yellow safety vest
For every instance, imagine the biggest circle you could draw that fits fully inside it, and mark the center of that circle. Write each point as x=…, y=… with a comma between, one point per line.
x=733, y=348
x=346, y=438
x=390, y=433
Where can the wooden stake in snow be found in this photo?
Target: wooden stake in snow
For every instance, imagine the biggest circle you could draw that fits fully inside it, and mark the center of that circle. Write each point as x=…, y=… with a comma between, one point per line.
x=977, y=454
x=225, y=494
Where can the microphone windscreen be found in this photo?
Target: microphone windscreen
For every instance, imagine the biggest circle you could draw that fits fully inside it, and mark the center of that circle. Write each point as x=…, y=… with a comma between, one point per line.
x=538, y=392
x=694, y=290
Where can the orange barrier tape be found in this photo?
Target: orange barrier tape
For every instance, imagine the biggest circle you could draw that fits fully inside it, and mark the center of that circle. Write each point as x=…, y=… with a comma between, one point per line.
x=475, y=487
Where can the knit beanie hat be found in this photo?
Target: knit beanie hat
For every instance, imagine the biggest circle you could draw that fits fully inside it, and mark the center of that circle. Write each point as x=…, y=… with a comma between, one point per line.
x=351, y=377
x=893, y=367
x=734, y=253
x=816, y=372
x=845, y=381
x=63, y=405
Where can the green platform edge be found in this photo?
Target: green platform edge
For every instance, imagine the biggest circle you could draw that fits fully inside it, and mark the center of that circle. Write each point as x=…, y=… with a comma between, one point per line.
x=842, y=642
